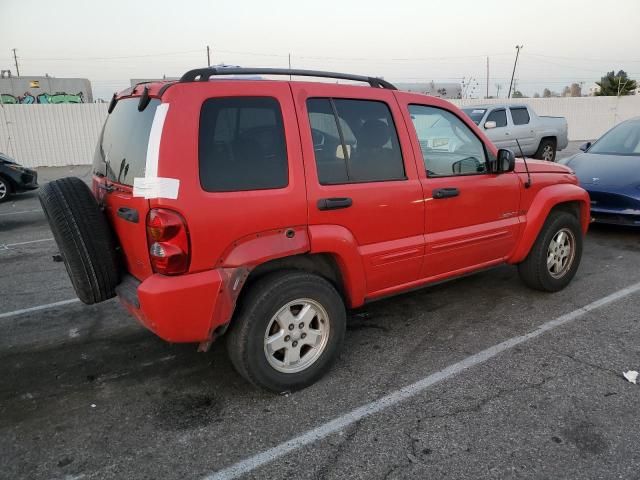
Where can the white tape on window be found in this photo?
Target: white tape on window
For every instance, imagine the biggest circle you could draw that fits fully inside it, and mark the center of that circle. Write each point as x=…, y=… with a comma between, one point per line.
x=156, y=187
x=153, y=147
x=152, y=186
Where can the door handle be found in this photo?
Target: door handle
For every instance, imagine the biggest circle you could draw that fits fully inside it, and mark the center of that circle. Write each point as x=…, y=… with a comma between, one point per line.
x=445, y=192
x=334, y=203
x=128, y=214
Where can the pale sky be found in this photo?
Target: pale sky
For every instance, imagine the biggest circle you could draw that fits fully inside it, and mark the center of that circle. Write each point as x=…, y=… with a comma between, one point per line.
x=111, y=41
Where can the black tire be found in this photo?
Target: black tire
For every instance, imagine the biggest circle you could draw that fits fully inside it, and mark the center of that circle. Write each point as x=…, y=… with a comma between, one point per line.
x=546, y=150
x=84, y=238
x=5, y=190
x=534, y=271
x=267, y=296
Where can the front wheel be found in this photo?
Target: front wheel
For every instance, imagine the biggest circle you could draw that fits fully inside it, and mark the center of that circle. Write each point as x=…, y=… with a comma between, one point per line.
x=288, y=330
x=555, y=256
x=546, y=150
x=5, y=190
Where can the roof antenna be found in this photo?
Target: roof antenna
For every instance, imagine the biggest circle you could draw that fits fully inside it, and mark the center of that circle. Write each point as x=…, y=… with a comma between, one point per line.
x=527, y=184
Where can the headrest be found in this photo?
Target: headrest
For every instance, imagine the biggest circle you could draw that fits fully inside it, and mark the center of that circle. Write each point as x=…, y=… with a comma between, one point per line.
x=374, y=134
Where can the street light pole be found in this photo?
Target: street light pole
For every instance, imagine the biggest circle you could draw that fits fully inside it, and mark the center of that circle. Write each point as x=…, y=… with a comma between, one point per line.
x=518, y=47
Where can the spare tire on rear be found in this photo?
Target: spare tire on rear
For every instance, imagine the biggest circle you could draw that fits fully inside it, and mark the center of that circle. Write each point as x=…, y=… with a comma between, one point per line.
x=84, y=238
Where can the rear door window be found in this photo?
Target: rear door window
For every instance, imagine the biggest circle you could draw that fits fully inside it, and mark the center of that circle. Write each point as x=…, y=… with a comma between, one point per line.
x=520, y=116
x=121, y=153
x=354, y=141
x=242, y=145
x=498, y=116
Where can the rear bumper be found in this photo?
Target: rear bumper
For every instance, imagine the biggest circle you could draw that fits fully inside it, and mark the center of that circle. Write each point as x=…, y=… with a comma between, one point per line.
x=183, y=308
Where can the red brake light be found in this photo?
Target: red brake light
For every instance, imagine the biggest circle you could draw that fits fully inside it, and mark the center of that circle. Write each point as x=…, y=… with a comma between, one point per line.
x=168, y=240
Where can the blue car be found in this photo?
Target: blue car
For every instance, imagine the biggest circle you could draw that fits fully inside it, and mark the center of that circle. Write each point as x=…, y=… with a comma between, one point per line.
x=609, y=169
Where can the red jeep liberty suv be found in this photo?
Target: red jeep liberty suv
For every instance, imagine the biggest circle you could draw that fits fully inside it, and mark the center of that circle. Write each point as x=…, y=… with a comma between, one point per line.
x=264, y=208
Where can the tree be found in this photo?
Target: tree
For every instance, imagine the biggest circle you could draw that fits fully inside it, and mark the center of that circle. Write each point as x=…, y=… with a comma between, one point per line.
x=546, y=93
x=616, y=84
x=536, y=95
x=575, y=90
x=566, y=91
x=517, y=94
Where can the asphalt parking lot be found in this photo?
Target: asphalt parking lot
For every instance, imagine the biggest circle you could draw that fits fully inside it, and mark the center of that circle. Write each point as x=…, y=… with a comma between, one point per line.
x=85, y=392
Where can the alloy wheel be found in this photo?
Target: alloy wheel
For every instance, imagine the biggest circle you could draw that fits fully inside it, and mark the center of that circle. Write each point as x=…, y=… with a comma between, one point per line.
x=561, y=253
x=296, y=335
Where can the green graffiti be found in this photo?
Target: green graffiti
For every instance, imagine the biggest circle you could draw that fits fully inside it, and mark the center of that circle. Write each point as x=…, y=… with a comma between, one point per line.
x=61, y=97
x=8, y=98
x=43, y=98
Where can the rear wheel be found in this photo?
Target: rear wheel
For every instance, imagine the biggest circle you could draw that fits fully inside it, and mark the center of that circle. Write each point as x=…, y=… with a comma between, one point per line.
x=5, y=189
x=547, y=150
x=288, y=330
x=555, y=256
x=83, y=236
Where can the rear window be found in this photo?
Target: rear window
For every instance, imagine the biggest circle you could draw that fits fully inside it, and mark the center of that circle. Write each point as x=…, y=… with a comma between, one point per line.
x=121, y=153
x=242, y=145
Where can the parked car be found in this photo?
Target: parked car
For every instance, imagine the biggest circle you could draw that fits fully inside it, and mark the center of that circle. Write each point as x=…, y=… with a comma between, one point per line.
x=609, y=169
x=14, y=178
x=540, y=137
x=263, y=208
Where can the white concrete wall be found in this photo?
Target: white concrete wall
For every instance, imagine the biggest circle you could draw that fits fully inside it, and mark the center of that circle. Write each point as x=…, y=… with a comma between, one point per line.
x=59, y=135
x=51, y=135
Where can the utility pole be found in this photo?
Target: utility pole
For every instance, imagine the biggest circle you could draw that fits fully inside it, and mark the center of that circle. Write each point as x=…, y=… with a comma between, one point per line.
x=498, y=87
x=208, y=56
x=487, y=77
x=518, y=47
x=15, y=59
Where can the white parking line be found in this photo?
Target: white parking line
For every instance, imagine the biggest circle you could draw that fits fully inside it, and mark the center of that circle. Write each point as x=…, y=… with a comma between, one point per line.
x=392, y=399
x=22, y=211
x=7, y=246
x=38, y=308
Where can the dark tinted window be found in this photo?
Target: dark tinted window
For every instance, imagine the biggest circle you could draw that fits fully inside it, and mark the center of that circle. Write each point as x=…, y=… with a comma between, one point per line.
x=520, y=116
x=242, y=144
x=121, y=153
x=498, y=116
x=354, y=141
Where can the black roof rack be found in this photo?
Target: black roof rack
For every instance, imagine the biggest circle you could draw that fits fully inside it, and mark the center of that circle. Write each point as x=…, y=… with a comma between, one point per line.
x=203, y=75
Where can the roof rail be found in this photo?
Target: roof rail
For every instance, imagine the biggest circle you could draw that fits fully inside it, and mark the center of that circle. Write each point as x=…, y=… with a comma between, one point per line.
x=203, y=75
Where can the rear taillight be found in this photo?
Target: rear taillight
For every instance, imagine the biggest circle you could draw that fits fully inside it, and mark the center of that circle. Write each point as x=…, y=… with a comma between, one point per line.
x=168, y=240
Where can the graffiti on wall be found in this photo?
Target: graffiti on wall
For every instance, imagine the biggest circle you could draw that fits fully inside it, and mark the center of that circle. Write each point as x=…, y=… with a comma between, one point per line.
x=44, y=98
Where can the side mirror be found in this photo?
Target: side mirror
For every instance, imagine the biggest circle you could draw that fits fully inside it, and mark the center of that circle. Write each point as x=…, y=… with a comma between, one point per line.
x=505, y=162
x=585, y=146
x=490, y=124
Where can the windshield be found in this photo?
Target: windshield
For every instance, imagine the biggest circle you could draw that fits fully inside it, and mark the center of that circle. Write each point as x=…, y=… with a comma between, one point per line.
x=623, y=139
x=475, y=114
x=121, y=153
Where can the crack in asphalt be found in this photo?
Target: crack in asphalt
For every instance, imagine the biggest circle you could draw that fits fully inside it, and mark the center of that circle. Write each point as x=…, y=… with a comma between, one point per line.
x=588, y=364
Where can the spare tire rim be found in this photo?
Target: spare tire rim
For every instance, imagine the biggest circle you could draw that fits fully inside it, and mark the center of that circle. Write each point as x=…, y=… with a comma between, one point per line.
x=547, y=153
x=296, y=335
x=3, y=190
x=561, y=253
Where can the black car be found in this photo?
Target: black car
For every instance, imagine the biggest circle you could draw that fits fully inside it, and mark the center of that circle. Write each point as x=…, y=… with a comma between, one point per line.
x=15, y=178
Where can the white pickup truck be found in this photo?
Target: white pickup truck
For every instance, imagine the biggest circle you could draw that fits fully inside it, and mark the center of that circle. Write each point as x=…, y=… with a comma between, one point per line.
x=539, y=137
